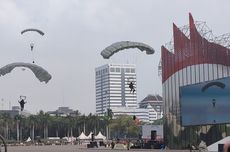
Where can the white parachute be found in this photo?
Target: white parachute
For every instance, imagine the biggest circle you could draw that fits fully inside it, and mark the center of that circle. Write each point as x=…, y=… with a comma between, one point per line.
x=38, y=71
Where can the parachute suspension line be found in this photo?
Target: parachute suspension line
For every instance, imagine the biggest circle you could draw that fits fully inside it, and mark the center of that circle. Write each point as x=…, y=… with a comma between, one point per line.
x=31, y=48
x=33, y=56
x=136, y=61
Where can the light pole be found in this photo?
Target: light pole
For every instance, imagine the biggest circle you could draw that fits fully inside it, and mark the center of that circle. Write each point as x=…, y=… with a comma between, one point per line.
x=2, y=103
x=107, y=115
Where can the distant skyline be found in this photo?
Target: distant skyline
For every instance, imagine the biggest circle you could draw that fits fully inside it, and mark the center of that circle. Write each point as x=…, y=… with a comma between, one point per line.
x=76, y=31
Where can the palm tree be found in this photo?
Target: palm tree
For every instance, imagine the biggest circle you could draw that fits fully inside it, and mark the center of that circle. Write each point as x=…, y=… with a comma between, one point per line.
x=7, y=121
x=108, y=117
x=32, y=122
x=43, y=123
x=76, y=118
x=17, y=119
x=71, y=124
x=55, y=125
x=124, y=125
x=82, y=124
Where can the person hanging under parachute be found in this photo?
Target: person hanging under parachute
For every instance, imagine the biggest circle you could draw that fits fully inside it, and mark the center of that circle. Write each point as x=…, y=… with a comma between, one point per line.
x=22, y=102
x=32, y=43
x=112, y=49
x=131, y=86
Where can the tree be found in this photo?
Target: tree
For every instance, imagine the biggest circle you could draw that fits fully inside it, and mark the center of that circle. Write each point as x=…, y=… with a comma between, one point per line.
x=109, y=113
x=159, y=121
x=44, y=119
x=32, y=123
x=124, y=126
x=7, y=121
x=17, y=119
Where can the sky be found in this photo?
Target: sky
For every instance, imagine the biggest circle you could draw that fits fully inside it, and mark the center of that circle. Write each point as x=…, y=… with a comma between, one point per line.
x=76, y=31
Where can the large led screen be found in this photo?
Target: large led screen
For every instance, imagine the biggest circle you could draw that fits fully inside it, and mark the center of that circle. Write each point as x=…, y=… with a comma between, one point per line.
x=205, y=103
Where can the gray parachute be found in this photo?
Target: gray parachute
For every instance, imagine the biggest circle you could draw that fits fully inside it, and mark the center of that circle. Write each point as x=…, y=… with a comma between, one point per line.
x=38, y=71
x=118, y=46
x=32, y=29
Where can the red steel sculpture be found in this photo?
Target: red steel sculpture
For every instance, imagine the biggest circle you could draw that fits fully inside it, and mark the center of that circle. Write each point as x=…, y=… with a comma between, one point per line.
x=191, y=51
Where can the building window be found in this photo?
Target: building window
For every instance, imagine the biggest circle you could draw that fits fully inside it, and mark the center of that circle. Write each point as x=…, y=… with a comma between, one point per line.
x=118, y=70
x=112, y=70
x=127, y=70
x=132, y=70
x=97, y=73
x=104, y=71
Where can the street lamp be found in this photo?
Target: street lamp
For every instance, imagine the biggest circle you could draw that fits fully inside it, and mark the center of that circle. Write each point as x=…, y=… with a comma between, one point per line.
x=2, y=103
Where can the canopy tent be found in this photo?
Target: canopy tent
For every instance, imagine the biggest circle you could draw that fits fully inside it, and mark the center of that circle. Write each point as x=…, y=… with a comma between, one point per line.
x=100, y=136
x=90, y=135
x=82, y=136
x=28, y=139
x=69, y=139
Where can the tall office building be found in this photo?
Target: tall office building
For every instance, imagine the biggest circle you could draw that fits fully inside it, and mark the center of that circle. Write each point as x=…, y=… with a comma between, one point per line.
x=112, y=87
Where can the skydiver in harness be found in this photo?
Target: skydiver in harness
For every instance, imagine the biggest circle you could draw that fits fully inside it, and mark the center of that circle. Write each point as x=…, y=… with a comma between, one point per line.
x=22, y=102
x=131, y=86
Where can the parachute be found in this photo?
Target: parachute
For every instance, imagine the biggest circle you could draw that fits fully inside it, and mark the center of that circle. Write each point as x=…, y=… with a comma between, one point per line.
x=219, y=84
x=31, y=29
x=38, y=71
x=115, y=47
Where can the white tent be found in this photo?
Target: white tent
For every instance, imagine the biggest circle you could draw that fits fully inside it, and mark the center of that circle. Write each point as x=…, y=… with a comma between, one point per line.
x=100, y=136
x=28, y=140
x=69, y=139
x=214, y=146
x=82, y=136
x=90, y=135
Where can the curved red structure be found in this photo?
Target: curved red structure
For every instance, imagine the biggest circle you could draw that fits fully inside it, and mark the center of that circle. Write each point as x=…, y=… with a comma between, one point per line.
x=191, y=51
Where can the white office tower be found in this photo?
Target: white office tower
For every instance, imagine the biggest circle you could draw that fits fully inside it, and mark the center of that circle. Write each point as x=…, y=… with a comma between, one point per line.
x=112, y=87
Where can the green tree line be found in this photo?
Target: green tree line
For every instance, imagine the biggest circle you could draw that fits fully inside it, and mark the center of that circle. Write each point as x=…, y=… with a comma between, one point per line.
x=42, y=126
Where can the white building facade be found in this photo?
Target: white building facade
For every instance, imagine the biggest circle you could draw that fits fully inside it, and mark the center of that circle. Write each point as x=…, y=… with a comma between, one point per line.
x=155, y=102
x=148, y=114
x=112, y=87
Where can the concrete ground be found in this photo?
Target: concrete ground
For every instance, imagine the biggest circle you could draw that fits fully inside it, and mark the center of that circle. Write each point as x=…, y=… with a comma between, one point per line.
x=78, y=148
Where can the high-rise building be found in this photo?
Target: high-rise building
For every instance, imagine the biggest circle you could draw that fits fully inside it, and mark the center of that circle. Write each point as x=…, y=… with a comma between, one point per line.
x=113, y=87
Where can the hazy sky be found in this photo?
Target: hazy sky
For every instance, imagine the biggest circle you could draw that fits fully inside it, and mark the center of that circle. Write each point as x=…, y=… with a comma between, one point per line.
x=75, y=33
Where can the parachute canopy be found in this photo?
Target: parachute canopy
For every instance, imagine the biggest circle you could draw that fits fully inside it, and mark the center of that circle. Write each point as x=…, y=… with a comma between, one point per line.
x=38, y=71
x=115, y=47
x=32, y=29
x=218, y=84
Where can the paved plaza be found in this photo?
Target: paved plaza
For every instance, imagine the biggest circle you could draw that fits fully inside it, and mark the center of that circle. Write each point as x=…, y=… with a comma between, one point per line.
x=77, y=148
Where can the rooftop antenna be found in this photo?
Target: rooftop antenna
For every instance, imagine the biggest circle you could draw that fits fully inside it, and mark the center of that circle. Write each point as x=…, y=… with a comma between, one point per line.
x=2, y=103
x=9, y=105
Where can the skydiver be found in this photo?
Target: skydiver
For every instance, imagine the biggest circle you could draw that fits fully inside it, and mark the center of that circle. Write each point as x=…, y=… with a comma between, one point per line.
x=31, y=46
x=131, y=86
x=22, y=103
x=213, y=103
